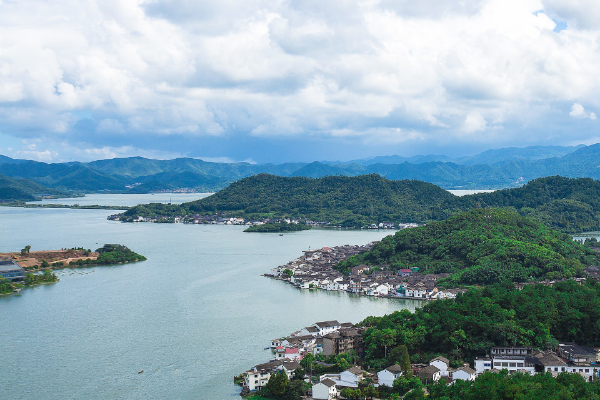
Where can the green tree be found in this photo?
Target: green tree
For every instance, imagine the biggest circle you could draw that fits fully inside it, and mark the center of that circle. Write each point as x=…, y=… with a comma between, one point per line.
x=369, y=392
x=25, y=250
x=415, y=394
x=299, y=373
x=44, y=264
x=277, y=383
x=349, y=393
x=288, y=272
x=405, y=362
x=307, y=362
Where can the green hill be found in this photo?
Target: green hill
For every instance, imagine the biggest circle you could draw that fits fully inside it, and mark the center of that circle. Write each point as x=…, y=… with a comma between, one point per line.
x=22, y=190
x=511, y=247
x=570, y=205
x=347, y=201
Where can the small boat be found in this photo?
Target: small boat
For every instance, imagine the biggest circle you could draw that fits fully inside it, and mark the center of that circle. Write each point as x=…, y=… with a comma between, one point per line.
x=141, y=371
x=281, y=234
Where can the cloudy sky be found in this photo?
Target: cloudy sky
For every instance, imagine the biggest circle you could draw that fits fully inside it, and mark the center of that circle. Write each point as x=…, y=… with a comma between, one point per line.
x=303, y=80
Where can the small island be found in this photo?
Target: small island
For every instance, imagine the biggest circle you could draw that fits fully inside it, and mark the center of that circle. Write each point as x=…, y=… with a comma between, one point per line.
x=281, y=226
x=30, y=268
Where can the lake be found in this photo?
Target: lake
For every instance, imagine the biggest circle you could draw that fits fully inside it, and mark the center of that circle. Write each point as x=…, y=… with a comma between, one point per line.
x=191, y=317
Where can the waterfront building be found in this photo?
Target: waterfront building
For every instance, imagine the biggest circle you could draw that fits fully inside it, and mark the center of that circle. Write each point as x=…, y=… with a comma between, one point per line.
x=11, y=270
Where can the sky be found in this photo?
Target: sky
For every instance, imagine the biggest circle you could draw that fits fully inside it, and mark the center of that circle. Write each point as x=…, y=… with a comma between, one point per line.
x=280, y=80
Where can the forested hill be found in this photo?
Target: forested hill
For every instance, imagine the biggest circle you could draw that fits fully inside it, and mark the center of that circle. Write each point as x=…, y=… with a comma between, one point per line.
x=511, y=247
x=341, y=200
x=570, y=205
x=23, y=190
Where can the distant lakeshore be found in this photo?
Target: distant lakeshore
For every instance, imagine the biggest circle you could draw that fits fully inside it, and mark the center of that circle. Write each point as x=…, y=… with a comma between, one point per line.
x=19, y=269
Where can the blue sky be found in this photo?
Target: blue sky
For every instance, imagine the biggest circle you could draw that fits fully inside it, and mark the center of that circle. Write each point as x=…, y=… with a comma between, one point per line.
x=277, y=81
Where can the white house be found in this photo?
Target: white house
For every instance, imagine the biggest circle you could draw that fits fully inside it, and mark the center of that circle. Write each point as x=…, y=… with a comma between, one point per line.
x=388, y=375
x=352, y=376
x=258, y=376
x=514, y=363
x=483, y=364
x=310, y=330
x=442, y=363
x=324, y=390
x=550, y=362
x=465, y=374
x=289, y=367
x=415, y=291
x=323, y=284
x=326, y=327
x=379, y=290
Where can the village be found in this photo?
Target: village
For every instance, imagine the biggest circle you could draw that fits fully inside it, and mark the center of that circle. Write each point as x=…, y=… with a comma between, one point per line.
x=223, y=219
x=315, y=270
x=328, y=338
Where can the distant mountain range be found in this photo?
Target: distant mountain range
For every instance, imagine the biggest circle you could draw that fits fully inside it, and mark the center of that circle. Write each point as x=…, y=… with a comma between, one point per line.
x=492, y=169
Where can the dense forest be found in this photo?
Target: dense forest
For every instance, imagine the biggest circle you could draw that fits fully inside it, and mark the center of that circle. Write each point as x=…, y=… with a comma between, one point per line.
x=498, y=315
x=570, y=205
x=481, y=246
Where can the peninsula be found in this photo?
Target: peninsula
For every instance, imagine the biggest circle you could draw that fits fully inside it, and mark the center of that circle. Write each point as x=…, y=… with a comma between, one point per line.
x=479, y=247
x=568, y=205
x=28, y=268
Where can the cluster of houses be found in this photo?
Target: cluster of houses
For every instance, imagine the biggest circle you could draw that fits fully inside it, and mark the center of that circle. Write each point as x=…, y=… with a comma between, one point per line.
x=315, y=270
x=325, y=337
x=213, y=219
x=332, y=337
x=223, y=219
x=567, y=357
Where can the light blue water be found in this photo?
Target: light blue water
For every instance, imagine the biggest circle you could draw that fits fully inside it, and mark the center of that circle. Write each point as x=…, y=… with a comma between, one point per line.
x=192, y=316
x=125, y=199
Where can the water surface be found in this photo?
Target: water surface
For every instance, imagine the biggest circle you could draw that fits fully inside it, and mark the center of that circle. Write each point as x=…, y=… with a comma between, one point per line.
x=192, y=316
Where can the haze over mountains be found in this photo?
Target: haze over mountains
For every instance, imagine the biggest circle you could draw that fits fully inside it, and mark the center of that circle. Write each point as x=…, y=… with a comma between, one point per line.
x=498, y=168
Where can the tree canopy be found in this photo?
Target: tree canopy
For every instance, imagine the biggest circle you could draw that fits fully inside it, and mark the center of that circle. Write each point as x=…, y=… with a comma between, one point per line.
x=481, y=247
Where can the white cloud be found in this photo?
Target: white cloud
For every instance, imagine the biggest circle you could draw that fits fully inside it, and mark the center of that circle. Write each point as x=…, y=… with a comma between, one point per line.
x=474, y=122
x=578, y=111
x=277, y=68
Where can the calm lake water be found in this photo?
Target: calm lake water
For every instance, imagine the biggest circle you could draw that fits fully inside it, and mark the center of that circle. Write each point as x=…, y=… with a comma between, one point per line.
x=125, y=199
x=192, y=316
x=463, y=192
